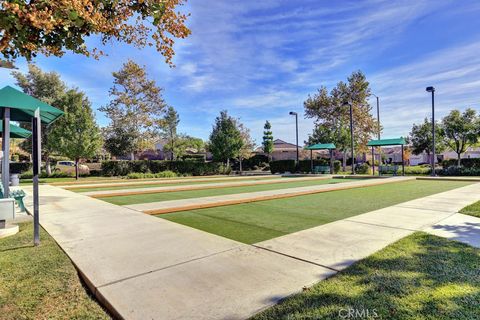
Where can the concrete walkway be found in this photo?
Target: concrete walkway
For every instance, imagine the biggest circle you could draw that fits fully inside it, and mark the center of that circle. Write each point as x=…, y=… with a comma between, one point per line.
x=189, y=187
x=142, y=267
x=216, y=201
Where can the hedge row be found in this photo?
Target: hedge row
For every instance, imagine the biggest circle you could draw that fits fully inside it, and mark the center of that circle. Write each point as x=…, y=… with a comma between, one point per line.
x=467, y=163
x=304, y=166
x=123, y=168
x=460, y=171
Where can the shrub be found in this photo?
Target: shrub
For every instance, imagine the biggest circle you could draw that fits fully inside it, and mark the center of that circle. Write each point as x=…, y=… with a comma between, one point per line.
x=363, y=168
x=282, y=166
x=164, y=174
x=306, y=165
x=20, y=167
x=415, y=170
x=123, y=168
x=467, y=163
x=43, y=174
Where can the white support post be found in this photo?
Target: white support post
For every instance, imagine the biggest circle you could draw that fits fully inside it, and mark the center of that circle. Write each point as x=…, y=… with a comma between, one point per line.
x=6, y=153
x=36, y=155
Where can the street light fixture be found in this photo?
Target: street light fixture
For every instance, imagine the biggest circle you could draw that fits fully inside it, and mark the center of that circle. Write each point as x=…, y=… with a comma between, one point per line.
x=296, y=129
x=432, y=90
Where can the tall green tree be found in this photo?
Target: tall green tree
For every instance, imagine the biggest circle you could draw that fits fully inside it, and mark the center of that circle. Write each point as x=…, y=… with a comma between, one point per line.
x=169, y=127
x=183, y=144
x=331, y=114
x=76, y=132
x=117, y=139
x=267, y=142
x=137, y=104
x=420, y=138
x=48, y=87
x=225, y=140
x=460, y=131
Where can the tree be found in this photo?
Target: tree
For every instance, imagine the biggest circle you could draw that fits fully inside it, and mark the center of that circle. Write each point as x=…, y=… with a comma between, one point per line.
x=460, y=131
x=225, y=139
x=53, y=27
x=48, y=87
x=267, y=140
x=169, y=126
x=420, y=138
x=331, y=114
x=184, y=143
x=137, y=104
x=76, y=132
x=247, y=143
x=117, y=139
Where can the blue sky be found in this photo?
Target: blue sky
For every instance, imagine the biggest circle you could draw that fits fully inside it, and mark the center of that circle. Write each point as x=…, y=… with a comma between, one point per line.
x=260, y=60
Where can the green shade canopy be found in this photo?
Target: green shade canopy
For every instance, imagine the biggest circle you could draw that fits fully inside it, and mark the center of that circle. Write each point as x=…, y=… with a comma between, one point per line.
x=22, y=106
x=387, y=142
x=321, y=146
x=16, y=131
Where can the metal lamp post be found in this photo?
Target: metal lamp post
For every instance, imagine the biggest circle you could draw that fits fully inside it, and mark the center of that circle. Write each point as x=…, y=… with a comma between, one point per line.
x=432, y=90
x=378, y=113
x=351, y=138
x=296, y=129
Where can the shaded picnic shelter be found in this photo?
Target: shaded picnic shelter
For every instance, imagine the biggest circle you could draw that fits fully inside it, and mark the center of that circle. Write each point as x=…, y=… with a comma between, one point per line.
x=387, y=143
x=322, y=146
x=20, y=107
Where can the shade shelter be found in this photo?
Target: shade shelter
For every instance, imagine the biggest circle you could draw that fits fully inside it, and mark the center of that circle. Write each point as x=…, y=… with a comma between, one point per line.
x=16, y=132
x=385, y=143
x=322, y=146
x=18, y=106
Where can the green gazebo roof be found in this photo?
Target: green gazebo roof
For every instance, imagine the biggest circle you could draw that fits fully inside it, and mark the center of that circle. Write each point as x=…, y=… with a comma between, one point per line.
x=387, y=142
x=22, y=106
x=16, y=131
x=321, y=146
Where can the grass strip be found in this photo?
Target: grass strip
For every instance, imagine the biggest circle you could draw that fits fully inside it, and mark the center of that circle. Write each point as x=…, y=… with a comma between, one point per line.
x=248, y=222
x=472, y=210
x=41, y=282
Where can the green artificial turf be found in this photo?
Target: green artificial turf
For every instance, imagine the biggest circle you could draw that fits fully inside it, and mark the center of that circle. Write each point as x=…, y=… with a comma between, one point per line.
x=164, y=196
x=41, y=282
x=179, y=183
x=419, y=277
x=472, y=210
x=263, y=220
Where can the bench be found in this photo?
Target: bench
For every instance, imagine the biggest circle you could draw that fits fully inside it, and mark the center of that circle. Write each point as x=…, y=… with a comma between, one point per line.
x=18, y=195
x=388, y=170
x=321, y=169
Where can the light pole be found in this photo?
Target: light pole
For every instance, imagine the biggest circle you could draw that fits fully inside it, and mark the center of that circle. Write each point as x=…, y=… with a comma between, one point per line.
x=296, y=129
x=432, y=90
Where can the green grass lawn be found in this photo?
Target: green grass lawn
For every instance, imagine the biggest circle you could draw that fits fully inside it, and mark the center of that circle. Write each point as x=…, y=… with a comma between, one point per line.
x=41, y=282
x=179, y=183
x=419, y=277
x=472, y=210
x=263, y=220
x=164, y=196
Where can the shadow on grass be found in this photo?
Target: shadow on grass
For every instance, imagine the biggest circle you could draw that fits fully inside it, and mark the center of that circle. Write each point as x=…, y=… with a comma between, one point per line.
x=419, y=277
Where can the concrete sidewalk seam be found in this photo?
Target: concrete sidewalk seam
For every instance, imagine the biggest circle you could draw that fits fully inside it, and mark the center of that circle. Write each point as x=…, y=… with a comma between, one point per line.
x=165, y=268
x=295, y=258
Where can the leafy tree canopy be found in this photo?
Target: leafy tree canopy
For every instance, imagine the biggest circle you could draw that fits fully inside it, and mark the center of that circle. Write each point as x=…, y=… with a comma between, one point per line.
x=267, y=142
x=53, y=27
x=461, y=130
x=137, y=105
x=420, y=138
